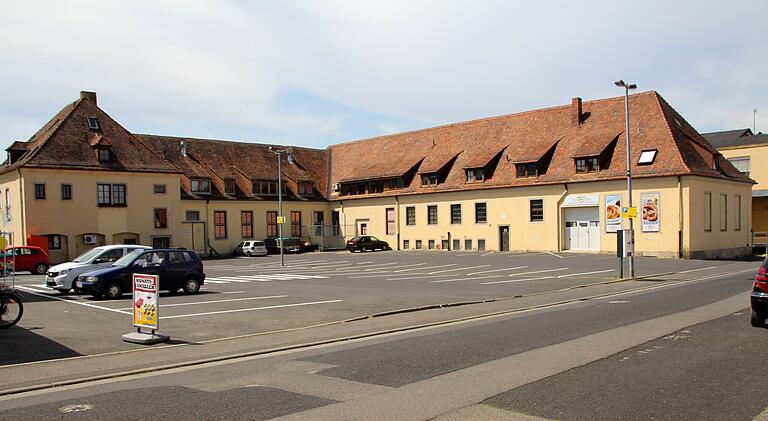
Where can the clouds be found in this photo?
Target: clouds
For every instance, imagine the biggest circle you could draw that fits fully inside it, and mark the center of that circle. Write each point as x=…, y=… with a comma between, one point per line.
x=313, y=73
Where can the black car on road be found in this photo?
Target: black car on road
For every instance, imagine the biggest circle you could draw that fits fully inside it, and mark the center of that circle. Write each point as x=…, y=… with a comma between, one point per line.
x=290, y=245
x=366, y=243
x=177, y=269
x=759, y=297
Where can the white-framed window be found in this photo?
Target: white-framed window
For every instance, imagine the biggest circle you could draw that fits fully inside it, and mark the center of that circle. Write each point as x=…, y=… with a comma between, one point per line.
x=741, y=163
x=536, y=207
x=200, y=185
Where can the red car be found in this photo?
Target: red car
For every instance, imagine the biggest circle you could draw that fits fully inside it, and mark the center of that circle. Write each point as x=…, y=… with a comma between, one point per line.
x=28, y=258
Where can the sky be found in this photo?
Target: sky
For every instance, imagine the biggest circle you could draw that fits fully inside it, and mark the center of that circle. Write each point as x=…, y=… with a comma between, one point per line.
x=315, y=73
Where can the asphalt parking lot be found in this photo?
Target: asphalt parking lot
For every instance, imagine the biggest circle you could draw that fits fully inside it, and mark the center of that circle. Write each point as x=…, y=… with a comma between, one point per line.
x=243, y=296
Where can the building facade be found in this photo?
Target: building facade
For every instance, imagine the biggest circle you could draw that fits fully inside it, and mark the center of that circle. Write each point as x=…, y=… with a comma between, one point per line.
x=543, y=180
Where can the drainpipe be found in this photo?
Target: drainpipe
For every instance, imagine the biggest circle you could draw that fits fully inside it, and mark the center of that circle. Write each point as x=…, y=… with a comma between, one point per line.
x=397, y=218
x=343, y=221
x=560, y=227
x=22, y=211
x=207, y=227
x=680, y=219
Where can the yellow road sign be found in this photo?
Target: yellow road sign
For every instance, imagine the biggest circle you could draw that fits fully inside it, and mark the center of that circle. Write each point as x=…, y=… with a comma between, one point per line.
x=629, y=212
x=281, y=220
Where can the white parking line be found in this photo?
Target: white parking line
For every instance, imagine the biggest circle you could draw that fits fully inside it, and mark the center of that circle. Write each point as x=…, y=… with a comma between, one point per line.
x=488, y=254
x=584, y=273
x=455, y=269
x=52, y=297
x=380, y=264
x=401, y=266
x=696, y=270
x=466, y=279
x=251, y=309
x=432, y=267
x=497, y=270
x=538, y=271
x=517, y=280
x=215, y=301
x=233, y=292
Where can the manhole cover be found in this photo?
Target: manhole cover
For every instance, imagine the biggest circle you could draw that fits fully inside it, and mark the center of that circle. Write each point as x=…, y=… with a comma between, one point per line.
x=80, y=407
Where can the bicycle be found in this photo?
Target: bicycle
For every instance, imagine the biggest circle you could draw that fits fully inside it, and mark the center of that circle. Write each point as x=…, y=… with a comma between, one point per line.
x=11, y=308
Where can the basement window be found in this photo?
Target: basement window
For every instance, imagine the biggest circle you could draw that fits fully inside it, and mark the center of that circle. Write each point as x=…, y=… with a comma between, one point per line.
x=647, y=157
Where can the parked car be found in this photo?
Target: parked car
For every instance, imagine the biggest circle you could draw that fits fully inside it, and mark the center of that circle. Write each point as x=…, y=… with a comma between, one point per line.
x=290, y=245
x=63, y=276
x=759, y=297
x=367, y=242
x=177, y=269
x=251, y=248
x=27, y=258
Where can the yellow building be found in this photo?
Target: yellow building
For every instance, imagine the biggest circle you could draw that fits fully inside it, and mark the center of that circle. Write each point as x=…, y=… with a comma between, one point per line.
x=745, y=151
x=543, y=180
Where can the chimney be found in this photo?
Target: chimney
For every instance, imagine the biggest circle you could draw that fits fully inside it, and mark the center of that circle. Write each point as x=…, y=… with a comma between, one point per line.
x=183, y=148
x=576, y=116
x=91, y=96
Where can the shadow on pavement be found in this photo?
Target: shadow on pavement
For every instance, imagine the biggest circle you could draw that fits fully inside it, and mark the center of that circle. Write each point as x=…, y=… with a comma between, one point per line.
x=22, y=345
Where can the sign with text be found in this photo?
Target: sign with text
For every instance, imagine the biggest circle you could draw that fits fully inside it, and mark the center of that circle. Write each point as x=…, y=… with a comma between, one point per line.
x=651, y=212
x=612, y=212
x=581, y=200
x=629, y=212
x=146, y=306
x=281, y=220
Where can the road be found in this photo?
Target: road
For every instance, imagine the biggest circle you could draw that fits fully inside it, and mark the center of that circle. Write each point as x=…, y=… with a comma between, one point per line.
x=677, y=345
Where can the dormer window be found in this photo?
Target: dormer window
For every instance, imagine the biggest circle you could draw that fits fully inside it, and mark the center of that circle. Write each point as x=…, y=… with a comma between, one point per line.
x=104, y=154
x=475, y=175
x=306, y=189
x=200, y=185
x=429, y=179
x=267, y=188
x=229, y=186
x=527, y=169
x=588, y=164
x=93, y=123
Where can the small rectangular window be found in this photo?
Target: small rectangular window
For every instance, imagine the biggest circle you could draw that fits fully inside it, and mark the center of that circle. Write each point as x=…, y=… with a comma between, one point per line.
x=707, y=211
x=200, y=185
x=410, y=215
x=742, y=164
x=432, y=215
x=246, y=224
x=444, y=244
x=406, y=244
x=39, y=191
x=480, y=244
x=161, y=218
x=66, y=192
x=93, y=123
x=537, y=210
x=418, y=244
x=468, y=244
x=390, y=215
x=104, y=194
x=161, y=242
x=481, y=216
x=296, y=223
x=585, y=165
x=429, y=179
x=220, y=224
x=159, y=188
x=192, y=215
x=456, y=244
x=431, y=244
x=118, y=195
x=271, y=224
x=455, y=214
x=104, y=155
x=527, y=170
x=229, y=186
x=54, y=242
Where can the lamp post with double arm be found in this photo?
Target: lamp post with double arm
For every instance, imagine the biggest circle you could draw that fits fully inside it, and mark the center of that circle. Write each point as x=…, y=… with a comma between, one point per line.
x=627, y=87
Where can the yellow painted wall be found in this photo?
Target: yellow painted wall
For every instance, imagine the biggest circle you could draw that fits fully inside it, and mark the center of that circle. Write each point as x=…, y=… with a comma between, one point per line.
x=82, y=215
x=259, y=209
x=699, y=239
x=12, y=183
x=758, y=155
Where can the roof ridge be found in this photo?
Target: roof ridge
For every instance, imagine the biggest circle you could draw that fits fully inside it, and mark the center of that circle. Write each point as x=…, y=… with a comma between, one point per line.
x=485, y=119
x=199, y=139
x=37, y=148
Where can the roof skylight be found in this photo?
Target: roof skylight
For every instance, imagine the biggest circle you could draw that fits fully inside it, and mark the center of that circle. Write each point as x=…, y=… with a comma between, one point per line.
x=647, y=157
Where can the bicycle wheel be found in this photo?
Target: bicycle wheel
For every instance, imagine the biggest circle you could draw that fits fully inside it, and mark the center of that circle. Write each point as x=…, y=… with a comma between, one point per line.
x=11, y=309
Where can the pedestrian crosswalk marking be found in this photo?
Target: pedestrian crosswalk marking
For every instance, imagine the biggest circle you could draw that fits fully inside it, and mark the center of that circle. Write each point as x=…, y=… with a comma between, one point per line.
x=262, y=278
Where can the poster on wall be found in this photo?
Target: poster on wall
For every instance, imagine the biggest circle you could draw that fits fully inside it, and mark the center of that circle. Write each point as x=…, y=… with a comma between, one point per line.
x=651, y=214
x=612, y=212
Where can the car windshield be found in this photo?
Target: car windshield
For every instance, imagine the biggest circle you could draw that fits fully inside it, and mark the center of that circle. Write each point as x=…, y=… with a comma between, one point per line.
x=126, y=260
x=241, y=244
x=87, y=256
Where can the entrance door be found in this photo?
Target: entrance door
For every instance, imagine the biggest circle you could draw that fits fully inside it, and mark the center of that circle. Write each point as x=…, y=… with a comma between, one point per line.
x=193, y=237
x=504, y=238
x=582, y=228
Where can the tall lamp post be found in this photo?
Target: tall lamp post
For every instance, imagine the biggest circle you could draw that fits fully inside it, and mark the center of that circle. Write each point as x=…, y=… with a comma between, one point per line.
x=627, y=87
x=280, y=217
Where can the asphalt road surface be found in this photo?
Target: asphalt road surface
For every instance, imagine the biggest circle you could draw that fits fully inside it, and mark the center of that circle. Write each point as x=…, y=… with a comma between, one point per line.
x=670, y=346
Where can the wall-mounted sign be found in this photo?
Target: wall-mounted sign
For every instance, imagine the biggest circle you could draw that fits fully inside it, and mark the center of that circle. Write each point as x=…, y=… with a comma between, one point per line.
x=612, y=212
x=581, y=200
x=651, y=211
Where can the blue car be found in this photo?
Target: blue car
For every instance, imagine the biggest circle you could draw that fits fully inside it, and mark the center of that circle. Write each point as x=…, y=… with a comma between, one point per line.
x=177, y=269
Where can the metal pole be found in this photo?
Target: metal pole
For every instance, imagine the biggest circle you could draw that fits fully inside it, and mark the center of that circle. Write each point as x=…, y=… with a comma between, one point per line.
x=280, y=206
x=629, y=184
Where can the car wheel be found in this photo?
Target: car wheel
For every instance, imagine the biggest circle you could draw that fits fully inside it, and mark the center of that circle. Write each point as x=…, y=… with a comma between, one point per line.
x=248, y=253
x=363, y=249
x=63, y=291
x=113, y=291
x=191, y=286
x=756, y=319
x=40, y=269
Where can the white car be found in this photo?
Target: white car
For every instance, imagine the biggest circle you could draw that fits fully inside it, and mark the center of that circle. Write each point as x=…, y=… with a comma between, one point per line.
x=62, y=277
x=251, y=248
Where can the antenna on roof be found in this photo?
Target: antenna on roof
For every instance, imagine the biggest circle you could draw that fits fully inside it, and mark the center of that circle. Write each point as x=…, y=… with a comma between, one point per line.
x=754, y=121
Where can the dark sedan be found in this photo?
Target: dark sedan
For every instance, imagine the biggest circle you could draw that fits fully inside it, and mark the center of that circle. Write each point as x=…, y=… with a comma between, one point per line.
x=177, y=269
x=759, y=297
x=367, y=243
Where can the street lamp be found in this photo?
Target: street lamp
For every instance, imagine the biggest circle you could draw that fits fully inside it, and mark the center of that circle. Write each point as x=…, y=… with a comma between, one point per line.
x=627, y=87
x=280, y=217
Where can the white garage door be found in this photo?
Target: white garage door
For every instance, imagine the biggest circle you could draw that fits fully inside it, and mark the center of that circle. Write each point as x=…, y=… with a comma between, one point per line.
x=582, y=228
